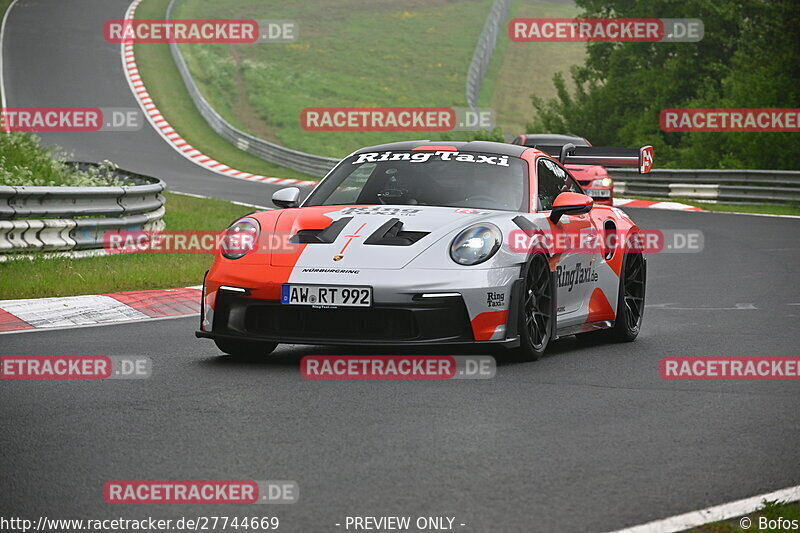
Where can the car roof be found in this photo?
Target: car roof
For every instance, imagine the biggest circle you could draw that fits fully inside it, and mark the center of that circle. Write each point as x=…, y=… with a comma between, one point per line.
x=486, y=147
x=531, y=139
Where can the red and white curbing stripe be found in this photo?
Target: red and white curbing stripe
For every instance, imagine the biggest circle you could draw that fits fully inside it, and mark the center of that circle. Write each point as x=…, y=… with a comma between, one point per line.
x=170, y=135
x=91, y=310
x=673, y=206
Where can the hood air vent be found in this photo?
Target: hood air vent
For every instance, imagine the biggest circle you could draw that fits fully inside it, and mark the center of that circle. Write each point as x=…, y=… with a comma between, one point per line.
x=321, y=236
x=392, y=234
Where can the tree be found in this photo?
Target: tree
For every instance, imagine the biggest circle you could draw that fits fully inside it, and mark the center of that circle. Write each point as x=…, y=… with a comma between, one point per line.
x=747, y=59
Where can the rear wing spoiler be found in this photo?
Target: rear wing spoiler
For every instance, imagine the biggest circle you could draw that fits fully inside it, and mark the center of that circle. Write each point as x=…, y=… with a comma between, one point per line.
x=567, y=154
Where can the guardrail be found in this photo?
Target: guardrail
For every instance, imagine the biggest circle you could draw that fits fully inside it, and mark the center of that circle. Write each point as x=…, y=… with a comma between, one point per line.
x=734, y=186
x=484, y=50
x=728, y=186
x=313, y=165
x=76, y=218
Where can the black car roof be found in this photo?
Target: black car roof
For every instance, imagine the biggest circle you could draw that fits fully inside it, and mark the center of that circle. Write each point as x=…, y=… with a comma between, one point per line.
x=486, y=147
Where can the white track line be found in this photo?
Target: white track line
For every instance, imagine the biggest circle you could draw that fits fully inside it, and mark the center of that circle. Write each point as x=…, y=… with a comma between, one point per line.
x=196, y=316
x=726, y=511
x=73, y=254
x=243, y=204
x=750, y=214
x=622, y=202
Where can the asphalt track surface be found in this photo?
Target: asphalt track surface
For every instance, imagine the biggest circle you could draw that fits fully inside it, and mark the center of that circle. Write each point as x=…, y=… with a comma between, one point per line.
x=589, y=438
x=54, y=55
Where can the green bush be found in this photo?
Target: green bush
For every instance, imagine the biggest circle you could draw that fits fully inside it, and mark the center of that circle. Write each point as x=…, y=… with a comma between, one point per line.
x=24, y=163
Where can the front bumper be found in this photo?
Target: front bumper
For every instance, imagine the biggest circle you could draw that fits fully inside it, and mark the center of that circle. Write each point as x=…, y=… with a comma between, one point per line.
x=443, y=320
x=480, y=312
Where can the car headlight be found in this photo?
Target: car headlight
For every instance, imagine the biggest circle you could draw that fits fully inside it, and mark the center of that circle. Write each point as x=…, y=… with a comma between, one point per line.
x=476, y=244
x=605, y=182
x=240, y=239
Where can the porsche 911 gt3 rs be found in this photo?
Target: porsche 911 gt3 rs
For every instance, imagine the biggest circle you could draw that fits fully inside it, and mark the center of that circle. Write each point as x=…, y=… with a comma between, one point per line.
x=411, y=243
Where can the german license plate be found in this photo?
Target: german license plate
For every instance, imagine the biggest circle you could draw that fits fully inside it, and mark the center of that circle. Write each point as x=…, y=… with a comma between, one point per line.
x=599, y=193
x=326, y=295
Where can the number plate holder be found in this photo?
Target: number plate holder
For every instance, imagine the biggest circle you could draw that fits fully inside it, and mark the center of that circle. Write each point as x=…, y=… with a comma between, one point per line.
x=326, y=295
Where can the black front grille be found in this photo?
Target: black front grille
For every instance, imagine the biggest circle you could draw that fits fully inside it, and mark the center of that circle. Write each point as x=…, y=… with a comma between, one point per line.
x=440, y=320
x=343, y=323
x=420, y=320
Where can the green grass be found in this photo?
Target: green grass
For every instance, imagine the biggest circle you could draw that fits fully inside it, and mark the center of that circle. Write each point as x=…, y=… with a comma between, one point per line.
x=24, y=163
x=349, y=53
x=770, y=511
x=3, y=7
x=519, y=70
x=166, y=88
x=763, y=209
x=63, y=276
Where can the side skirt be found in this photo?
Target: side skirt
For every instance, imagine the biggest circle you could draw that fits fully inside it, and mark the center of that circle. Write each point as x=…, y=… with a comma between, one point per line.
x=586, y=327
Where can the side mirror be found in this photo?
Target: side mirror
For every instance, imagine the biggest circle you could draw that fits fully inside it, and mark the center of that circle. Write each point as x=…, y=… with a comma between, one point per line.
x=287, y=197
x=570, y=203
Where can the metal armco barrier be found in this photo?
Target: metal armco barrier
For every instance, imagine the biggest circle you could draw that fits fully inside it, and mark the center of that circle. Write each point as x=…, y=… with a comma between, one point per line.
x=727, y=186
x=76, y=218
x=313, y=165
x=735, y=186
x=484, y=50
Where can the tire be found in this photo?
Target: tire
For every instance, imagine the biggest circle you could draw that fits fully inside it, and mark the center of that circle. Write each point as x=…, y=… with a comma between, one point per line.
x=245, y=349
x=536, y=309
x=630, y=301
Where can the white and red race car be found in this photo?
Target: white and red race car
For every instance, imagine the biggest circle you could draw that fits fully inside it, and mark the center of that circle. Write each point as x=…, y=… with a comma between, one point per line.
x=425, y=242
x=593, y=179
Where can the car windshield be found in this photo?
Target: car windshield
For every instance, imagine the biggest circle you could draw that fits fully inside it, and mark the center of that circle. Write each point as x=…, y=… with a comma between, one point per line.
x=440, y=178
